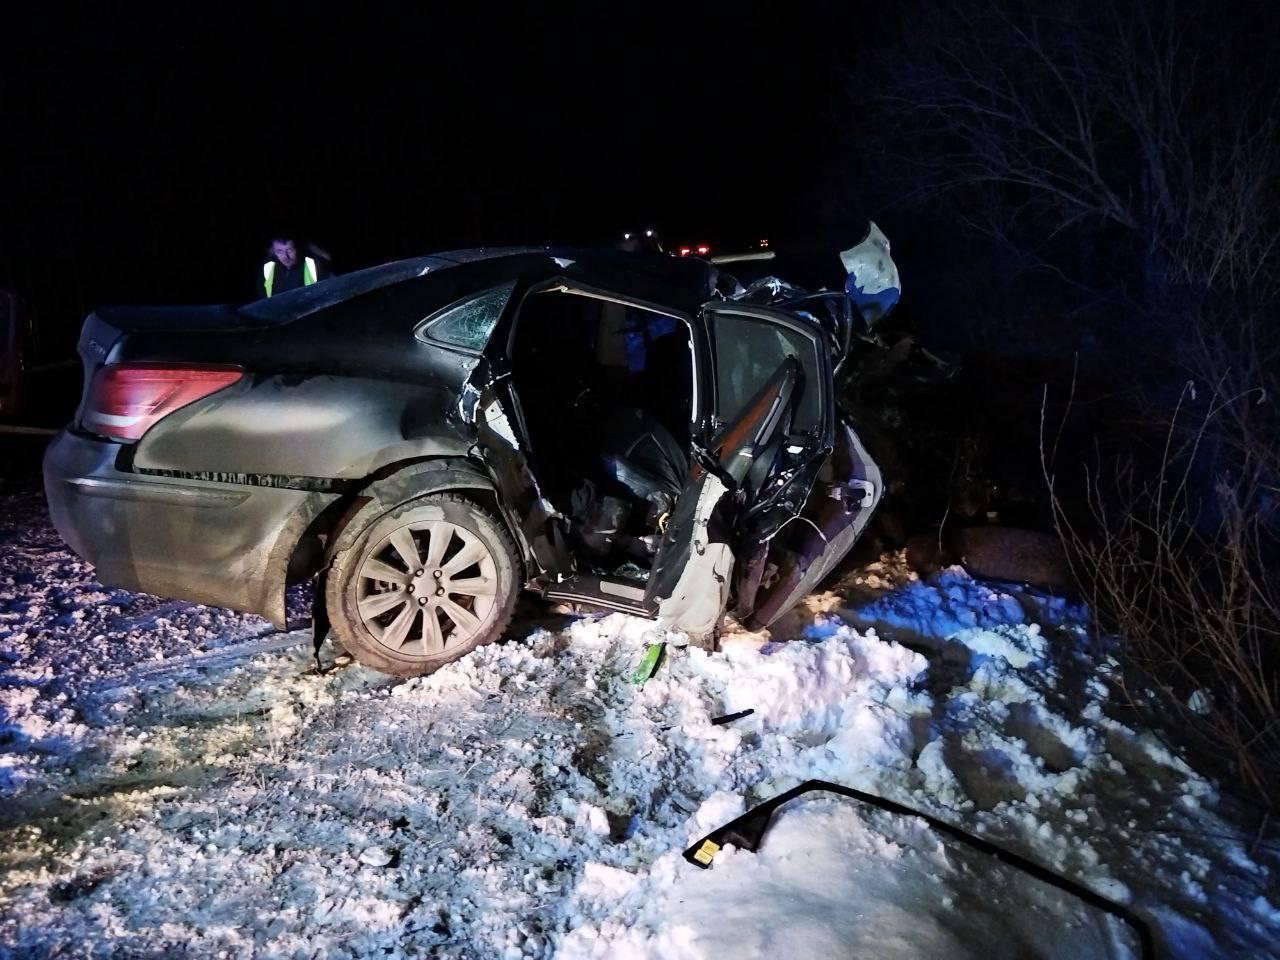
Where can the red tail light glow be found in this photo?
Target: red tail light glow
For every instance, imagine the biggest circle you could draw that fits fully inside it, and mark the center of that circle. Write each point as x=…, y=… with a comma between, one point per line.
x=127, y=399
x=703, y=249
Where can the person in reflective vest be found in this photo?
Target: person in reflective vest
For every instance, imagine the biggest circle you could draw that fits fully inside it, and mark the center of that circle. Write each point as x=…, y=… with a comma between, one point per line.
x=286, y=270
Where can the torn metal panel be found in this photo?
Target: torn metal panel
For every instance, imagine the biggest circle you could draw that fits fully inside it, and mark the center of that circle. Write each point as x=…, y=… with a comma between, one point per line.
x=694, y=567
x=697, y=600
x=499, y=446
x=837, y=512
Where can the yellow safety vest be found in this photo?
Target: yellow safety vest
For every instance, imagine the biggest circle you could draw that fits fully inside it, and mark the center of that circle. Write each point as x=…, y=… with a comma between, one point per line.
x=269, y=274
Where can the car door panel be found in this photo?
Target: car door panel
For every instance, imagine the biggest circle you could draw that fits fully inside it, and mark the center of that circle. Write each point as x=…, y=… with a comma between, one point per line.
x=835, y=515
x=693, y=567
x=812, y=496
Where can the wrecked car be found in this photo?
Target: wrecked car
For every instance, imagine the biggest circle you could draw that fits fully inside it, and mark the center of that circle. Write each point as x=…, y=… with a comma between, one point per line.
x=431, y=436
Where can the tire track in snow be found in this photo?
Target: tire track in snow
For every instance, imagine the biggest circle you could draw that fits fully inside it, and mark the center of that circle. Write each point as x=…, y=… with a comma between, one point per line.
x=150, y=673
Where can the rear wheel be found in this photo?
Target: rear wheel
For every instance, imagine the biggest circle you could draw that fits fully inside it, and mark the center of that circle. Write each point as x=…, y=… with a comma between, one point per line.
x=423, y=585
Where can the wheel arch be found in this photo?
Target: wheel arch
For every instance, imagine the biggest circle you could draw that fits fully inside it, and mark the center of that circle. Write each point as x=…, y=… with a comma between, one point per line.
x=471, y=620
x=323, y=528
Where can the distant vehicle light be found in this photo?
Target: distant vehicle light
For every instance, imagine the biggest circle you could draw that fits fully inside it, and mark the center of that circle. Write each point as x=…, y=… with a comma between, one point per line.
x=626, y=236
x=648, y=233
x=685, y=251
x=703, y=249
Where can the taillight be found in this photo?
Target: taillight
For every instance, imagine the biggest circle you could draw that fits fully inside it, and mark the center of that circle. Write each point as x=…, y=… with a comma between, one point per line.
x=127, y=399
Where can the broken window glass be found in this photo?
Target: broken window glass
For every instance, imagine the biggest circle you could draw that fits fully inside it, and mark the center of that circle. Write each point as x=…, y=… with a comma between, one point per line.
x=468, y=324
x=748, y=352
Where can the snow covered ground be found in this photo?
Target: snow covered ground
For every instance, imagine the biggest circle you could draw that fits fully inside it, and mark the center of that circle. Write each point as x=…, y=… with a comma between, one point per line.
x=177, y=780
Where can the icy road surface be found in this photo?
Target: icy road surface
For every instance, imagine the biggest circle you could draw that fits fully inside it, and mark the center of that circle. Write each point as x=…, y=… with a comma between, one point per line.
x=177, y=781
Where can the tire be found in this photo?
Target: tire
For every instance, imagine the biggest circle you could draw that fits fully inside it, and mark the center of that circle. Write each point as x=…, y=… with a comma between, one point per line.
x=381, y=608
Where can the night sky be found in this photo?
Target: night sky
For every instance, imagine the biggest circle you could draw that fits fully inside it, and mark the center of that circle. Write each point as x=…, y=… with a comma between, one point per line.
x=150, y=154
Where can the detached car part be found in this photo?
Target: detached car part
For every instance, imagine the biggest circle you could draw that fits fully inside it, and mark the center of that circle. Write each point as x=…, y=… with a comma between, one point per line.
x=747, y=831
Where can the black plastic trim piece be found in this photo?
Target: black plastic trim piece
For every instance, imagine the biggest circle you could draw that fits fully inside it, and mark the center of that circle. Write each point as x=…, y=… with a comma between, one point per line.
x=747, y=832
x=278, y=481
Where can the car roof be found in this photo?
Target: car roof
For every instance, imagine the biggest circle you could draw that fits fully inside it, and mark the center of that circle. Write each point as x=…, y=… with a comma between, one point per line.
x=679, y=283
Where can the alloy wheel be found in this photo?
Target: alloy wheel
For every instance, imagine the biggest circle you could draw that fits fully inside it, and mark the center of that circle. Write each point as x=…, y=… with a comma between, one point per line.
x=426, y=588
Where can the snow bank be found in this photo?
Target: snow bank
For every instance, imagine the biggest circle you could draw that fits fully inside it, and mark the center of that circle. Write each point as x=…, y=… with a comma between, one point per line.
x=530, y=801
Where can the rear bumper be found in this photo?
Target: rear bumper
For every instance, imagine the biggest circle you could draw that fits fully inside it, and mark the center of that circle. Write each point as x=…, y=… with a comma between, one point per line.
x=223, y=544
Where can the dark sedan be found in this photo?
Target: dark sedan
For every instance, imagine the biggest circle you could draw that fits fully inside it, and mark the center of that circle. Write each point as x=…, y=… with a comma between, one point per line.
x=431, y=436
